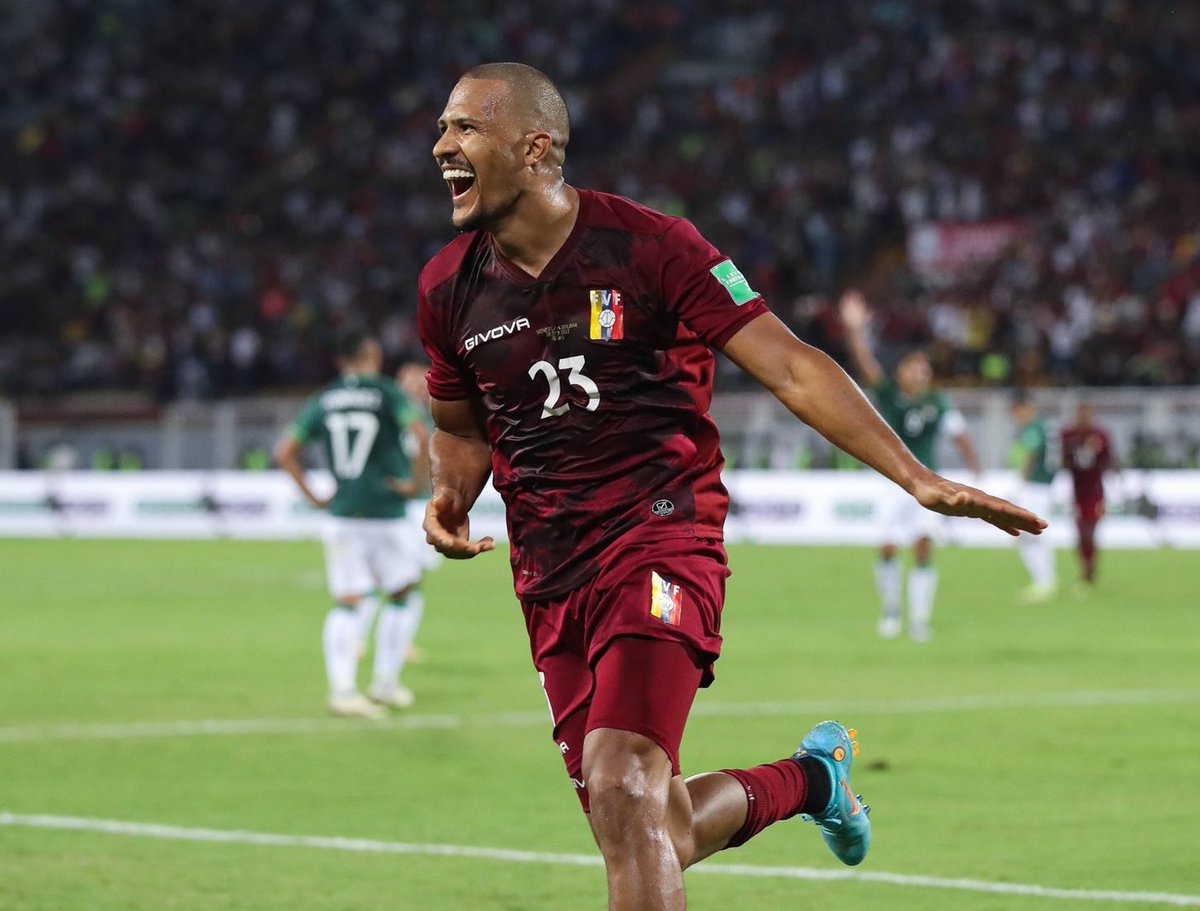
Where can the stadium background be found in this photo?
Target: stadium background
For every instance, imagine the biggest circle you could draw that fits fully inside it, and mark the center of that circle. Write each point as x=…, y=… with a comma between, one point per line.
x=196, y=195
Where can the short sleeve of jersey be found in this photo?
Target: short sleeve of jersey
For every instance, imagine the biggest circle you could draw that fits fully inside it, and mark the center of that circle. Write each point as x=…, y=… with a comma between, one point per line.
x=308, y=422
x=446, y=378
x=705, y=289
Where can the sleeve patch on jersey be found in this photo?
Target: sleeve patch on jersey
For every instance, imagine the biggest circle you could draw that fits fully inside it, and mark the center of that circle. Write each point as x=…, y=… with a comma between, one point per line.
x=608, y=316
x=666, y=599
x=734, y=282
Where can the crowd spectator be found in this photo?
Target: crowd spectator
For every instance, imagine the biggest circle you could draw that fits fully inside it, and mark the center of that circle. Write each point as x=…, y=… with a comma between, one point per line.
x=194, y=194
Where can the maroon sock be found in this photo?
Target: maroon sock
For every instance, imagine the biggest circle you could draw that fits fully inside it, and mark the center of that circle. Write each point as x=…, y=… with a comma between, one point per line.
x=778, y=790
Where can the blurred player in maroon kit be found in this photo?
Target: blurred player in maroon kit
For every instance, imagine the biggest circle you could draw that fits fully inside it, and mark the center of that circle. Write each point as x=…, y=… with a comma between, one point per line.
x=1087, y=454
x=570, y=335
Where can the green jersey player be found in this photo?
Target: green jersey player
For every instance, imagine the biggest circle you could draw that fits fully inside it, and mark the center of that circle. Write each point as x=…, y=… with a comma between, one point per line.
x=361, y=420
x=1029, y=456
x=920, y=416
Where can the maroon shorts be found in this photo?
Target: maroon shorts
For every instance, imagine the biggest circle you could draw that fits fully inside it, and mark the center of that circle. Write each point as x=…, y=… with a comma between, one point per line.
x=628, y=649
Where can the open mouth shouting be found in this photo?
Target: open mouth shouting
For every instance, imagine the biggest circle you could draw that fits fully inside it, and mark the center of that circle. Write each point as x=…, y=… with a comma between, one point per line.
x=460, y=181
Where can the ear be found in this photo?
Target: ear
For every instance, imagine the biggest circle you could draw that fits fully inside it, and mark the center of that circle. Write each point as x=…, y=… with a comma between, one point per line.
x=537, y=148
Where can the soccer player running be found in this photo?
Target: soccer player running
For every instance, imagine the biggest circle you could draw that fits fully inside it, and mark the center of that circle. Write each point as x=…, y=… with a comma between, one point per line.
x=360, y=420
x=1029, y=457
x=1087, y=454
x=919, y=415
x=570, y=336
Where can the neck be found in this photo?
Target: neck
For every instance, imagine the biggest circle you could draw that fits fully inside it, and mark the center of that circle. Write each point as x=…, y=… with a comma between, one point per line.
x=538, y=228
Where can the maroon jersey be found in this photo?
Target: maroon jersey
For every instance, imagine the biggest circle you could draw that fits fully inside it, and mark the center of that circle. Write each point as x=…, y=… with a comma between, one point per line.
x=595, y=378
x=1087, y=454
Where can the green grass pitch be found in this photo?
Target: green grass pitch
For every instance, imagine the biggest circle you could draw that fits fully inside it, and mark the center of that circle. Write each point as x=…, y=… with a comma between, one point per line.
x=1053, y=745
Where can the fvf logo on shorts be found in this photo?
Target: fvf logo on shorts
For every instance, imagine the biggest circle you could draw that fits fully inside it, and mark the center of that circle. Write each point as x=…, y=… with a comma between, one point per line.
x=666, y=599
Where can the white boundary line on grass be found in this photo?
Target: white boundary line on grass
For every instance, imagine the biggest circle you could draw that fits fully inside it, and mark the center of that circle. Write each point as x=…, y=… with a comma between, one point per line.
x=299, y=726
x=371, y=846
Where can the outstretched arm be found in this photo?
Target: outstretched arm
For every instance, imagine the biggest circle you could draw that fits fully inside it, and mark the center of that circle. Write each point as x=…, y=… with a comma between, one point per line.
x=460, y=461
x=818, y=392
x=856, y=316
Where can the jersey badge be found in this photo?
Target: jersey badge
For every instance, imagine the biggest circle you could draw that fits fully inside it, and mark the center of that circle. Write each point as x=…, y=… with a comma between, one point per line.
x=662, y=508
x=608, y=316
x=666, y=599
x=733, y=281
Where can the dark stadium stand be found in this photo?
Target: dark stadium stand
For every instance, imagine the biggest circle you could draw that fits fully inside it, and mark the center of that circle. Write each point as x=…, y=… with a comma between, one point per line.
x=194, y=194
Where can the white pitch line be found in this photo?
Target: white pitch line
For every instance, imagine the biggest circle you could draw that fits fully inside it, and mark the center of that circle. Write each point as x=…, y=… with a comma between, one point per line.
x=371, y=846
x=301, y=726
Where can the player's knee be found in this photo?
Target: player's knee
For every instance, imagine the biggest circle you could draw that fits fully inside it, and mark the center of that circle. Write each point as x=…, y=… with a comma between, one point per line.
x=627, y=788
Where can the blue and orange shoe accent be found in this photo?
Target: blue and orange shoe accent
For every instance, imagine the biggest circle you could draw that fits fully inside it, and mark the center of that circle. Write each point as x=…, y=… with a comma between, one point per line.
x=845, y=823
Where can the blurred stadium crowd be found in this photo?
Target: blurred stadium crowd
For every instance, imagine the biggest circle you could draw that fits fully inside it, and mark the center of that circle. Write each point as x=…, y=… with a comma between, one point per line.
x=194, y=193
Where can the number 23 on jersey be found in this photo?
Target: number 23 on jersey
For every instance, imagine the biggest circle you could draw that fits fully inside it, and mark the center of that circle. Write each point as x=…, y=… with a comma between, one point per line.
x=575, y=376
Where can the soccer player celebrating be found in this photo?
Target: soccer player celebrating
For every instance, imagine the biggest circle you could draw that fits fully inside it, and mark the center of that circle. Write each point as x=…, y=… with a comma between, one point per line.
x=360, y=420
x=1087, y=454
x=570, y=336
x=1029, y=457
x=919, y=415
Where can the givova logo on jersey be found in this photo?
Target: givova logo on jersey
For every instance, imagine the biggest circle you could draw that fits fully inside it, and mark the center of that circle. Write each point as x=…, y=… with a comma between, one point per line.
x=496, y=332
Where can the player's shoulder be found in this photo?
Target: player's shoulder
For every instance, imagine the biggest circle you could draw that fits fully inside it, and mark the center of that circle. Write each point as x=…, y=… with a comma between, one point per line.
x=609, y=211
x=449, y=261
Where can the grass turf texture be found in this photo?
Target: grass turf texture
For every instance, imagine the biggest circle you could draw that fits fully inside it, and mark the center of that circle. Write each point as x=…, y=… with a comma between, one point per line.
x=1088, y=797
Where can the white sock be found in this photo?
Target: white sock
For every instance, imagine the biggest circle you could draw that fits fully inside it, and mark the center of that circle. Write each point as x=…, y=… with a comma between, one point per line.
x=340, y=640
x=922, y=588
x=1037, y=554
x=366, y=610
x=394, y=633
x=412, y=618
x=1046, y=570
x=889, y=576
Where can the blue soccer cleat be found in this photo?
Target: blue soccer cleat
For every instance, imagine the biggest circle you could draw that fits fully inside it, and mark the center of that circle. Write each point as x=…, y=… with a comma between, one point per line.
x=844, y=823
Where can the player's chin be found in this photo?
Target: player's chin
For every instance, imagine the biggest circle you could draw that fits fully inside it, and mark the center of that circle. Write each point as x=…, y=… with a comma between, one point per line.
x=467, y=216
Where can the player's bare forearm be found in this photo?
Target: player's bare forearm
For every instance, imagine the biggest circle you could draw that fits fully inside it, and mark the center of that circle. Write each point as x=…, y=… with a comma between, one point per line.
x=818, y=392
x=459, y=466
x=856, y=316
x=421, y=475
x=287, y=457
x=969, y=456
x=460, y=461
x=865, y=364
